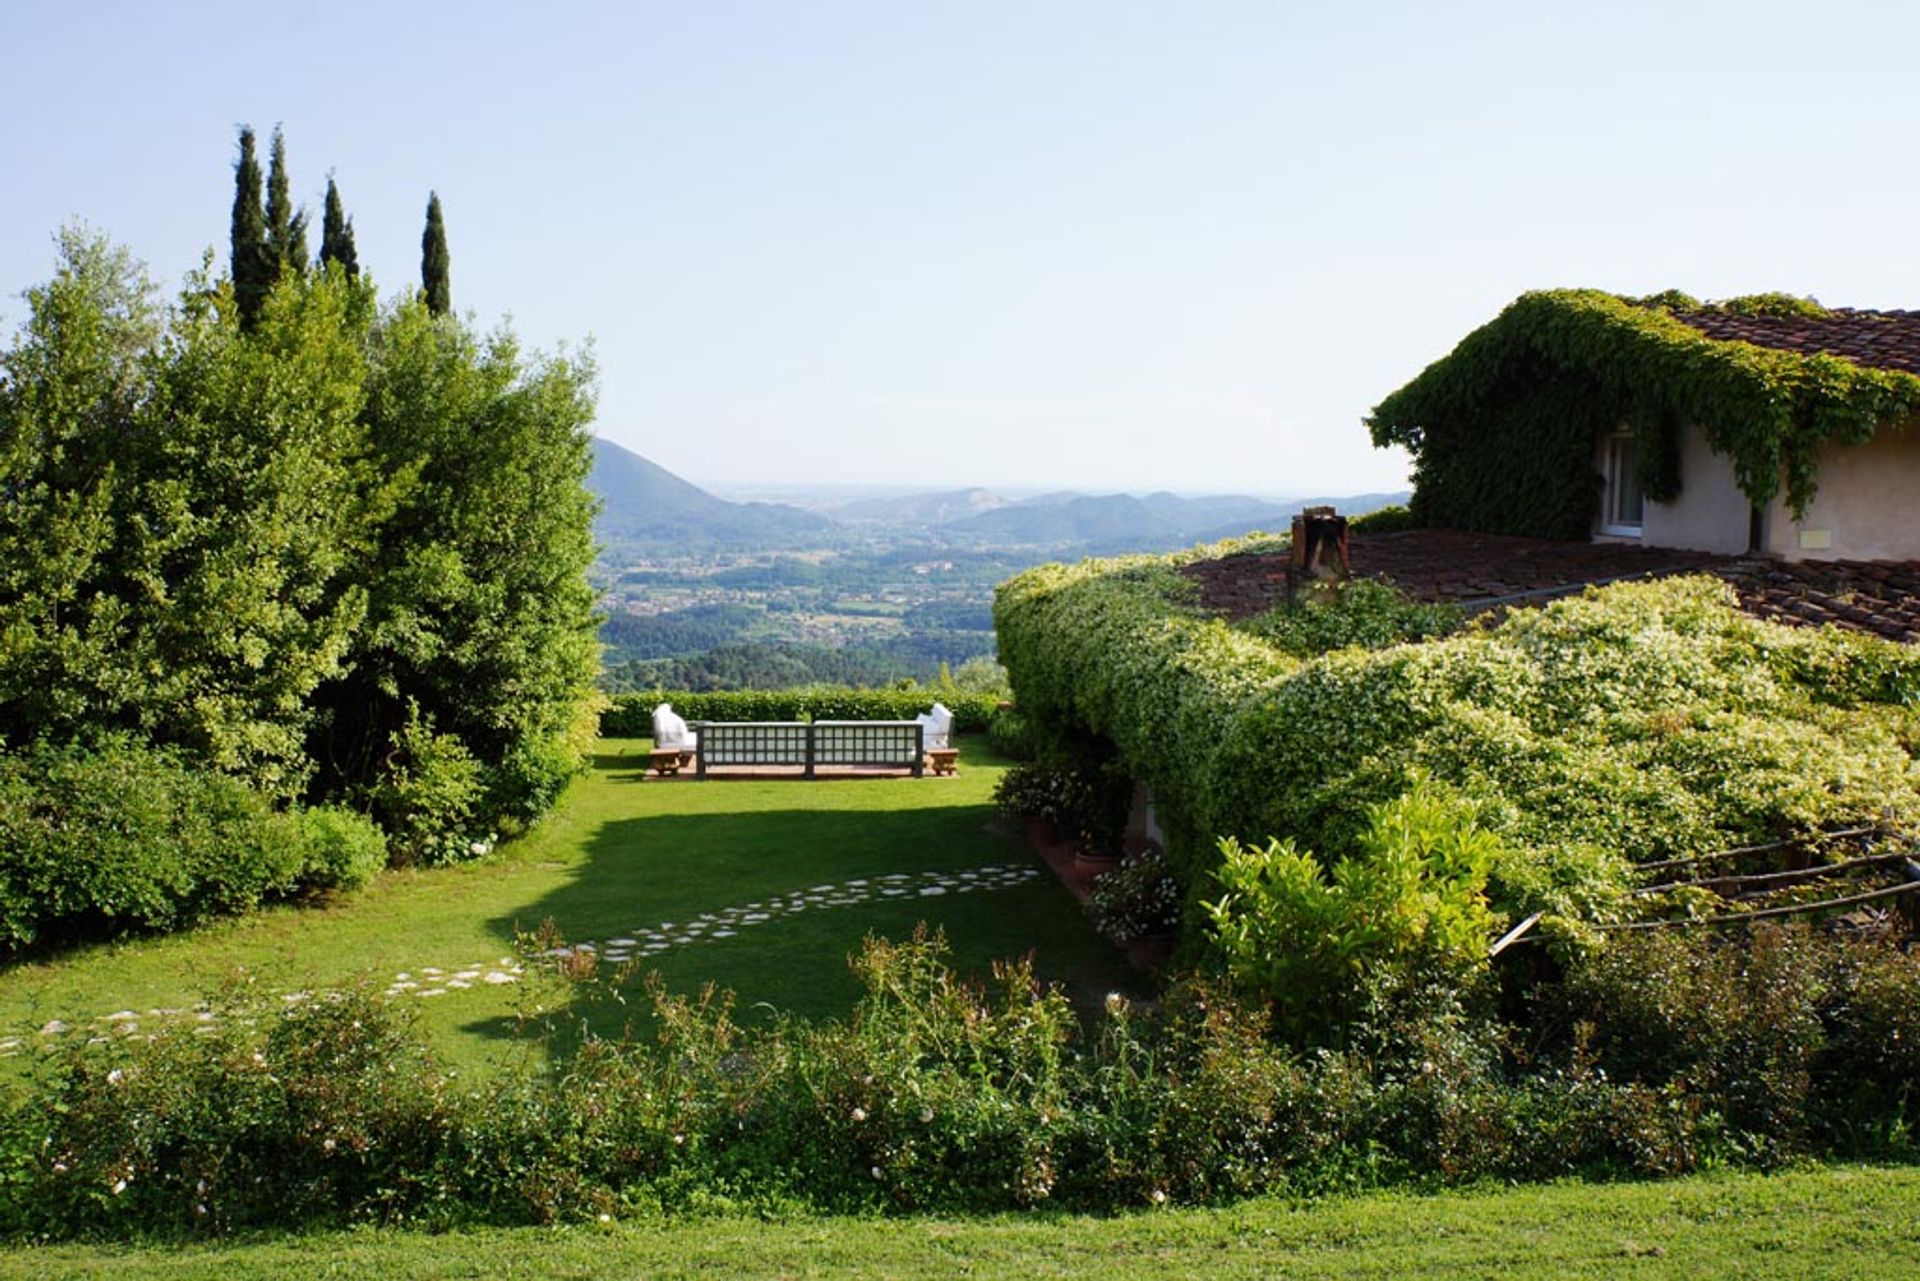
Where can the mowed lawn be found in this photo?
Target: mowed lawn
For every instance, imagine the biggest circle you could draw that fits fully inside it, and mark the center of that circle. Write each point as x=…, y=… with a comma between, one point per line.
x=624, y=853
x=1838, y=1223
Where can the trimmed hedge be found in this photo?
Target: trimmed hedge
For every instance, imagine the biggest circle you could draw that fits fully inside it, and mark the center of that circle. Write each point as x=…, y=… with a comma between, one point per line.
x=631, y=715
x=1634, y=722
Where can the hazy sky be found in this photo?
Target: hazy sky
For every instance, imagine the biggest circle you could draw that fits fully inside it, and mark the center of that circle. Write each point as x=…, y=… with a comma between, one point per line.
x=1101, y=244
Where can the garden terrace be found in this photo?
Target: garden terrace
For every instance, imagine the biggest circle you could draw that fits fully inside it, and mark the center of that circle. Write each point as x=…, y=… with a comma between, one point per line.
x=1480, y=571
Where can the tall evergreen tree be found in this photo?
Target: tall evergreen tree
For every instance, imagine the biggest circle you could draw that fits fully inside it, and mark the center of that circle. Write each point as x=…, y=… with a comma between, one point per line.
x=251, y=256
x=286, y=226
x=433, y=260
x=336, y=234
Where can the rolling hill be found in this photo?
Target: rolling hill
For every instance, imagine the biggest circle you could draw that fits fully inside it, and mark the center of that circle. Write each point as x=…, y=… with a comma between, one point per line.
x=643, y=501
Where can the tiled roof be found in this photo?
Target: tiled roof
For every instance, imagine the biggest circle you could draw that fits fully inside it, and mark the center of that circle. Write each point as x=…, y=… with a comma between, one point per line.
x=1877, y=339
x=1482, y=571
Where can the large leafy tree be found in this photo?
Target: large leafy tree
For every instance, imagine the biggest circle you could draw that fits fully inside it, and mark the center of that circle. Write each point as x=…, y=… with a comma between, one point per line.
x=434, y=263
x=251, y=258
x=181, y=504
x=336, y=234
x=480, y=626
x=256, y=496
x=338, y=550
x=73, y=391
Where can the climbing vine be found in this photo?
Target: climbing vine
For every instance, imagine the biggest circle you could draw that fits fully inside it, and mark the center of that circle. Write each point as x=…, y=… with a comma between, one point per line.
x=1503, y=429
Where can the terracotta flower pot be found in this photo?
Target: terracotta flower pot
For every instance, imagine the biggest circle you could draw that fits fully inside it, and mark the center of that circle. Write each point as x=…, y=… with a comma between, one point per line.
x=1087, y=861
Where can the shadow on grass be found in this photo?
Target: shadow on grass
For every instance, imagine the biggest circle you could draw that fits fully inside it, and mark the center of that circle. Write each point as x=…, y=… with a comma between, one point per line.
x=650, y=871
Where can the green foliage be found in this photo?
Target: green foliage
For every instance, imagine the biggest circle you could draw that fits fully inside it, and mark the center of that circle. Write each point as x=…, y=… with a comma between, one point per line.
x=1086, y=800
x=1390, y=519
x=343, y=848
x=1316, y=941
x=1503, y=430
x=1011, y=736
x=937, y=1095
x=71, y=386
x=182, y=503
x=251, y=260
x=263, y=545
x=435, y=285
x=477, y=606
x=631, y=715
x=1362, y=613
x=336, y=234
x=1139, y=899
x=1637, y=721
x=286, y=226
x=429, y=795
x=117, y=836
x=1782, y=1032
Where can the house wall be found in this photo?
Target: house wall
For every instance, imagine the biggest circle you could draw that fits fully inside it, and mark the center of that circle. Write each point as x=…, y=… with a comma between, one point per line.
x=1866, y=507
x=1710, y=514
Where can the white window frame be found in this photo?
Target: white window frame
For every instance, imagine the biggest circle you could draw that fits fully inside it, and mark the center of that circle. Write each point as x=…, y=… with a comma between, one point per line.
x=1620, y=457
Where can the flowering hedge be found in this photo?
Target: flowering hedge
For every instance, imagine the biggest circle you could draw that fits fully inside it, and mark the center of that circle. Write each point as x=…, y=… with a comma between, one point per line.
x=1637, y=721
x=631, y=715
x=942, y=1095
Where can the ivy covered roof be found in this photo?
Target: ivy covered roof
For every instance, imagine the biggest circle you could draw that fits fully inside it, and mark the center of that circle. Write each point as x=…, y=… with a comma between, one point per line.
x=1771, y=379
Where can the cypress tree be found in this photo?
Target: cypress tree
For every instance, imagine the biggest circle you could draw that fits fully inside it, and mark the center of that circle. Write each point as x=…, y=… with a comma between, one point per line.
x=252, y=260
x=336, y=234
x=433, y=260
x=286, y=227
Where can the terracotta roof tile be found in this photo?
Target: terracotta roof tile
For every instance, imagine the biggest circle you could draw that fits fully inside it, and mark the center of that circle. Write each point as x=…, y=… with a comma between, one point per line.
x=1496, y=571
x=1876, y=339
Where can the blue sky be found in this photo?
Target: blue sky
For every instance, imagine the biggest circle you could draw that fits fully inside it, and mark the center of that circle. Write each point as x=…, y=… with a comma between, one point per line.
x=1103, y=245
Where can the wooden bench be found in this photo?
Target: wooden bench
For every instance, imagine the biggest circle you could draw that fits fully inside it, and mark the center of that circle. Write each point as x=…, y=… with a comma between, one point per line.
x=943, y=760
x=668, y=760
x=895, y=744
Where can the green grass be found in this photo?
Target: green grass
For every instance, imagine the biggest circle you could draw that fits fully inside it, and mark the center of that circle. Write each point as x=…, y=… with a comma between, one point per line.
x=622, y=852
x=1840, y=1223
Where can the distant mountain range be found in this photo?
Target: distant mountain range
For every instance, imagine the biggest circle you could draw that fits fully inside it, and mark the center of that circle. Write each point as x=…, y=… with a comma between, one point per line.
x=644, y=502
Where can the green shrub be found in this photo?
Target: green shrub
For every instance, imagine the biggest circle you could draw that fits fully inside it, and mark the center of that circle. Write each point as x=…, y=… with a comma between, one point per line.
x=1010, y=736
x=631, y=715
x=1383, y=520
x=343, y=849
x=429, y=795
x=1086, y=802
x=1787, y=1035
x=1138, y=899
x=945, y=1095
x=1316, y=941
x=118, y=836
x=1362, y=613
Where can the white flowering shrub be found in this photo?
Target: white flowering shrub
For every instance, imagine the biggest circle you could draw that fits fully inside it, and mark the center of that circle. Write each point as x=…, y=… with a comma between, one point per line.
x=1633, y=722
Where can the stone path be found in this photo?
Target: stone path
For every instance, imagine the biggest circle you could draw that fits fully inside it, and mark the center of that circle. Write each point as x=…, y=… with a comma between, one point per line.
x=637, y=944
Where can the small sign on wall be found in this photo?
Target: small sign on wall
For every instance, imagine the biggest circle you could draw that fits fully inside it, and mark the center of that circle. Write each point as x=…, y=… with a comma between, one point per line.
x=1816, y=540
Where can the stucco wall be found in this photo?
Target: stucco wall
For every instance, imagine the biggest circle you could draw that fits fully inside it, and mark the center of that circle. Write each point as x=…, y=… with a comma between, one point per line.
x=1710, y=514
x=1867, y=506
